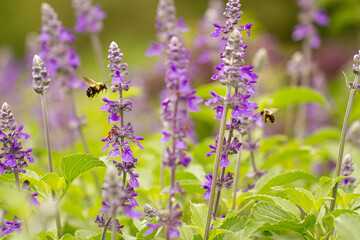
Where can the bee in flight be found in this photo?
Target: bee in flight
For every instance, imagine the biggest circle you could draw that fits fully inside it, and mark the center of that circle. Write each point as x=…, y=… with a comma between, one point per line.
x=268, y=115
x=94, y=87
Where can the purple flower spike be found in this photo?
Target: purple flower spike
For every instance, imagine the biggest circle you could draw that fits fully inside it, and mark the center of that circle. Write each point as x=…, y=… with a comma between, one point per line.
x=12, y=157
x=10, y=227
x=89, y=18
x=119, y=195
x=41, y=79
x=308, y=15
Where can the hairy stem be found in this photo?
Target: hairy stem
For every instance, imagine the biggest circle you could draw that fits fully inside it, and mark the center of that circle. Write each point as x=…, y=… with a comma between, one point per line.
x=222, y=174
x=121, y=122
x=300, y=125
x=342, y=139
x=113, y=235
x=103, y=234
x=96, y=44
x=162, y=167
x=173, y=167
x=217, y=200
x=17, y=180
x=57, y=215
x=216, y=163
x=47, y=132
x=237, y=174
x=252, y=158
x=48, y=149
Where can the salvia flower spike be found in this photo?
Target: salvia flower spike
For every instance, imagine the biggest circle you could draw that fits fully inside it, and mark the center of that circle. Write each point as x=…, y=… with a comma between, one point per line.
x=119, y=138
x=41, y=79
x=354, y=89
x=176, y=128
x=89, y=18
x=239, y=80
x=167, y=25
x=12, y=156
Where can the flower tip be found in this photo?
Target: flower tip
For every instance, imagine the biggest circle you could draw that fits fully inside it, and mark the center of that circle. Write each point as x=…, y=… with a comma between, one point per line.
x=113, y=44
x=5, y=105
x=174, y=40
x=45, y=7
x=37, y=60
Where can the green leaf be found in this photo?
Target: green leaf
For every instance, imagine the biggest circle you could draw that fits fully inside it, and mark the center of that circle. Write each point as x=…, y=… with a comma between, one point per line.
x=234, y=223
x=217, y=232
x=301, y=197
x=54, y=181
x=198, y=215
x=325, y=187
x=263, y=213
x=81, y=233
x=348, y=226
x=197, y=228
x=285, y=155
x=286, y=177
x=186, y=233
x=294, y=95
x=345, y=201
x=284, y=204
x=271, y=143
x=322, y=135
x=6, y=178
x=329, y=219
x=192, y=187
x=72, y=166
x=67, y=236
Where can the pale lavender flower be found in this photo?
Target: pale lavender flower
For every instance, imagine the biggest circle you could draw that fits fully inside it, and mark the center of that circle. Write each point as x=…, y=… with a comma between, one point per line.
x=167, y=26
x=59, y=57
x=14, y=158
x=308, y=15
x=89, y=18
x=118, y=199
x=8, y=227
x=346, y=170
x=240, y=80
x=118, y=134
x=41, y=79
x=10, y=71
x=225, y=182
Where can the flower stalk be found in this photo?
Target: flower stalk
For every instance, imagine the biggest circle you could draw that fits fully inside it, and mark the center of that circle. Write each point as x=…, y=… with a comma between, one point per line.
x=354, y=89
x=217, y=162
x=41, y=81
x=237, y=174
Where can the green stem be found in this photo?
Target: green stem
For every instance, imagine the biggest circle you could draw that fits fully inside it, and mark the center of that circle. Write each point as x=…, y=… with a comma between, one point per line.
x=217, y=161
x=113, y=235
x=48, y=149
x=162, y=167
x=342, y=139
x=47, y=132
x=103, y=234
x=237, y=174
x=17, y=180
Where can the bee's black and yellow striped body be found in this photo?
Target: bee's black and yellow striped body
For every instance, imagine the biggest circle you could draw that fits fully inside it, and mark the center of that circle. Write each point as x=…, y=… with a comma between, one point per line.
x=94, y=87
x=268, y=115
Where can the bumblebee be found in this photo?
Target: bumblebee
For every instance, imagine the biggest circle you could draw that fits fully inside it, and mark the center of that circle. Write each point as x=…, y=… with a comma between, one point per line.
x=94, y=87
x=268, y=115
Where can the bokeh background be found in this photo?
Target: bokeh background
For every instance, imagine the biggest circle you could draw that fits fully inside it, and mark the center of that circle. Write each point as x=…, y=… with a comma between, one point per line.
x=132, y=25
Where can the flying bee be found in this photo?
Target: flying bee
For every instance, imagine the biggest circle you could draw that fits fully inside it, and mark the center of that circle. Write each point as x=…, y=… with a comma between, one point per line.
x=268, y=115
x=94, y=87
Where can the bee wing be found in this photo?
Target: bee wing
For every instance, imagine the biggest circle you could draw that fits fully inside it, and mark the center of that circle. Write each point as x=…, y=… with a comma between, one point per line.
x=89, y=81
x=273, y=110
